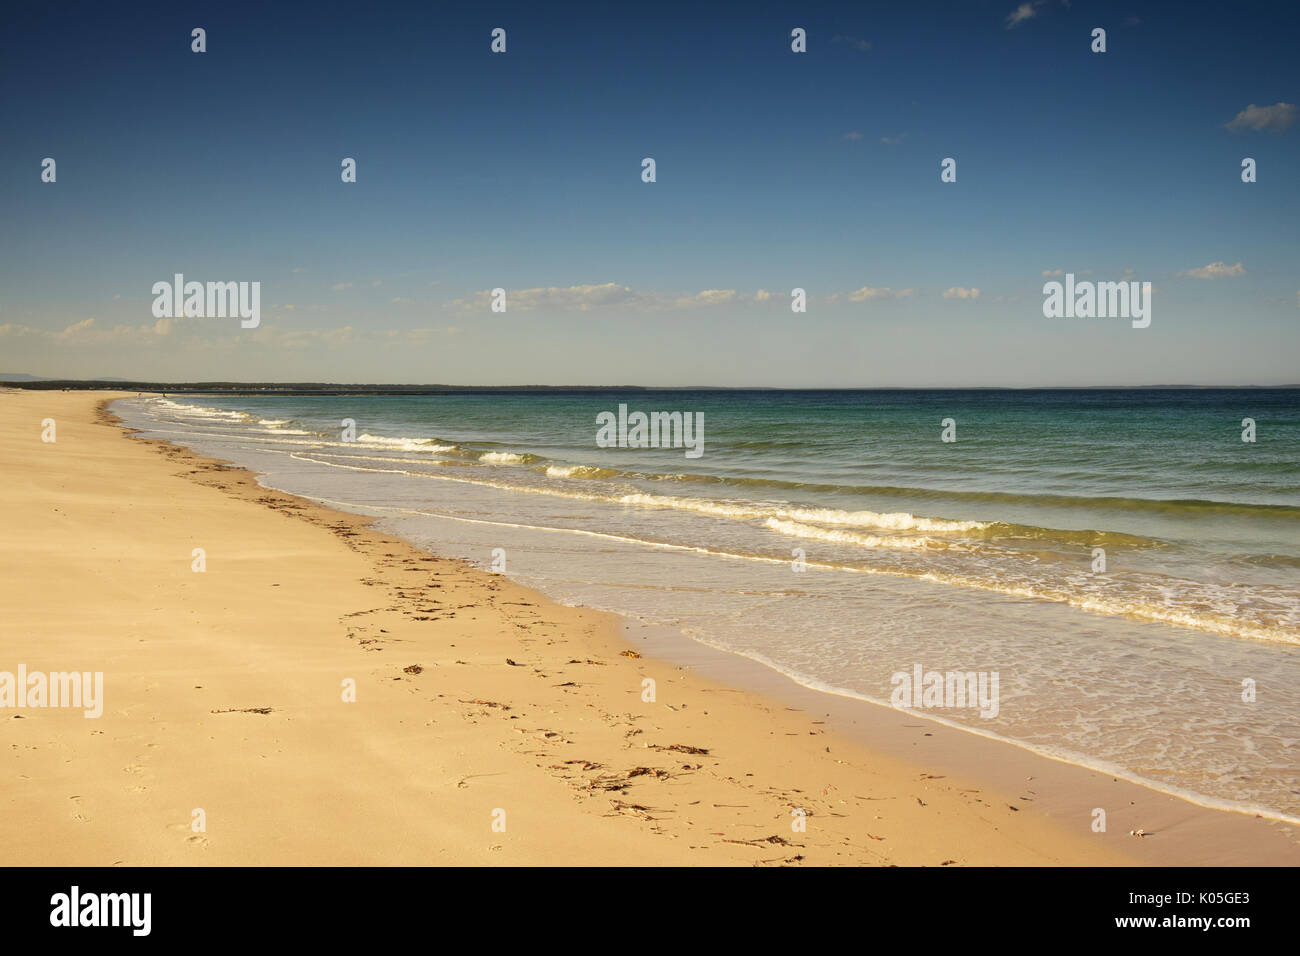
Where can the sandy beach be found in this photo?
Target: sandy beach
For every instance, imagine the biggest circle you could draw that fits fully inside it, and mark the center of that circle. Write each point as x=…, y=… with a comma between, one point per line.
x=324, y=694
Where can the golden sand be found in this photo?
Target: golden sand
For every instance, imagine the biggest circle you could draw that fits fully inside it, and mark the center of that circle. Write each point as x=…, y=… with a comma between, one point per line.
x=489, y=725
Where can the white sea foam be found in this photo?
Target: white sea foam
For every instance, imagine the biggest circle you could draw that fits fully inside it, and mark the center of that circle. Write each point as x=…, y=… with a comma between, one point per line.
x=404, y=444
x=893, y=521
x=578, y=471
x=898, y=521
x=840, y=536
x=200, y=411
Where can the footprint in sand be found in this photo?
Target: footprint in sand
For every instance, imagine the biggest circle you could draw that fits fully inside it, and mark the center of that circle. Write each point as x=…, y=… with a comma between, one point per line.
x=76, y=811
x=197, y=841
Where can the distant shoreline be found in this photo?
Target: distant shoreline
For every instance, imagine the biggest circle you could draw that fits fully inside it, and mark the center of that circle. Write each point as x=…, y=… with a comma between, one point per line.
x=330, y=388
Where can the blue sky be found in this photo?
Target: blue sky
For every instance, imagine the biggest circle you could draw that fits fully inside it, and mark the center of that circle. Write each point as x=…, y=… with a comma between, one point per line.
x=774, y=170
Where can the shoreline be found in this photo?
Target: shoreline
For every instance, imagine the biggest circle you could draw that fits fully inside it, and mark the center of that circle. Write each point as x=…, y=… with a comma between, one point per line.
x=1063, y=791
x=636, y=790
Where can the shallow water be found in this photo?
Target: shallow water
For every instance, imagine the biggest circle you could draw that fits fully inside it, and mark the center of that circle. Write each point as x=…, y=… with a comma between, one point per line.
x=977, y=555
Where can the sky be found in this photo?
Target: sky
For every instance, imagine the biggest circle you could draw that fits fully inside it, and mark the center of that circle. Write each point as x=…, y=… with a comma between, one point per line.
x=775, y=170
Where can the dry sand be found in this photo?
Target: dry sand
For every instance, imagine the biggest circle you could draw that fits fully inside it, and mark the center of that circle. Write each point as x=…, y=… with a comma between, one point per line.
x=477, y=700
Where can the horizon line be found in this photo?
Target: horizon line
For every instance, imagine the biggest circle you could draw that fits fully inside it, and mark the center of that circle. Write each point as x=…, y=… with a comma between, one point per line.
x=215, y=384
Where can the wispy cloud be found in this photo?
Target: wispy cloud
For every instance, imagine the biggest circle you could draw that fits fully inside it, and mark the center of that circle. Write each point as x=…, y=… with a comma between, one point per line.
x=574, y=298
x=957, y=292
x=713, y=297
x=86, y=332
x=346, y=336
x=297, y=339
x=404, y=337
x=340, y=286
x=894, y=140
x=1259, y=118
x=1026, y=11
x=607, y=295
x=612, y=295
x=867, y=292
x=853, y=136
x=1053, y=272
x=292, y=307
x=1216, y=270
x=854, y=42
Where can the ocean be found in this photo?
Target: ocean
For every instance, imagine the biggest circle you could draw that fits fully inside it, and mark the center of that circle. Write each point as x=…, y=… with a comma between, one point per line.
x=1121, y=559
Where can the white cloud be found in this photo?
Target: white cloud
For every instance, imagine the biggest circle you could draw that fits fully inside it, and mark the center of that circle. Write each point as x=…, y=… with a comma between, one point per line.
x=585, y=298
x=297, y=339
x=1216, y=270
x=611, y=295
x=853, y=136
x=86, y=332
x=1276, y=118
x=893, y=140
x=417, y=336
x=76, y=328
x=866, y=292
x=1026, y=11
x=579, y=298
x=1053, y=272
x=957, y=292
x=340, y=286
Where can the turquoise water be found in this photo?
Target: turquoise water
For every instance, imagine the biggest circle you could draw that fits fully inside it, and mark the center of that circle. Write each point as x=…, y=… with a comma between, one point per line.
x=1122, y=558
